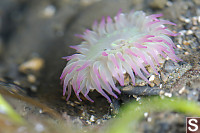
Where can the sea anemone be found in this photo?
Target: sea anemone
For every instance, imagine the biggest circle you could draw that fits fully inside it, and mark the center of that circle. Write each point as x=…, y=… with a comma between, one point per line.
x=113, y=48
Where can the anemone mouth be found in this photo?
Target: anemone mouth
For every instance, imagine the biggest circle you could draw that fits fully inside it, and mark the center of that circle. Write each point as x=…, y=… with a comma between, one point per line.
x=113, y=48
x=111, y=42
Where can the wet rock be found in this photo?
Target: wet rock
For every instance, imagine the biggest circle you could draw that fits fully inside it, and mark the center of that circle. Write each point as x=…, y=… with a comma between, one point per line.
x=34, y=64
x=141, y=90
x=193, y=95
x=169, y=66
x=197, y=2
x=5, y=4
x=164, y=77
x=88, y=2
x=164, y=122
x=115, y=106
x=177, y=9
x=138, y=4
x=1, y=46
x=37, y=34
x=158, y=4
x=157, y=81
x=197, y=33
x=31, y=78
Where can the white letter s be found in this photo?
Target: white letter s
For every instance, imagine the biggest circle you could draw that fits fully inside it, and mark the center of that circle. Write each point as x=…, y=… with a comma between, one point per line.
x=192, y=124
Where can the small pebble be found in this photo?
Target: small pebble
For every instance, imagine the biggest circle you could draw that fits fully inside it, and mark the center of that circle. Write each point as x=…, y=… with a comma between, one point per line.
x=88, y=122
x=3, y=109
x=179, y=46
x=40, y=111
x=33, y=88
x=192, y=95
x=76, y=102
x=186, y=53
x=138, y=99
x=169, y=66
x=189, y=32
x=195, y=20
x=157, y=81
x=17, y=82
x=92, y=111
x=168, y=94
x=152, y=84
x=169, y=3
x=182, y=32
x=70, y=103
x=179, y=40
x=183, y=19
x=92, y=118
x=34, y=64
x=49, y=11
x=187, y=20
x=31, y=78
x=146, y=114
x=39, y=127
x=152, y=78
x=195, y=28
x=149, y=119
x=98, y=122
x=186, y=42
x=162, y=92
x=181, y=90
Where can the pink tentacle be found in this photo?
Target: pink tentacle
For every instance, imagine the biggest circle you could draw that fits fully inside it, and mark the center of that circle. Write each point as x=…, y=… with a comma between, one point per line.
x=88, y=98
x=104, y=53
x=153, y=16
x=139, y=45
x=84, y=66
x=128, y=51
x=72, y=67
x=69, y=92
x=79, y=36
x=169, y=33
x=120, y=56
x=118, y=14
x=113, y=59
x=70, y=57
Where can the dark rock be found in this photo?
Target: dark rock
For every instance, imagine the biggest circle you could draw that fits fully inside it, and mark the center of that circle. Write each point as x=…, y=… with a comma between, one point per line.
x=170, y=66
